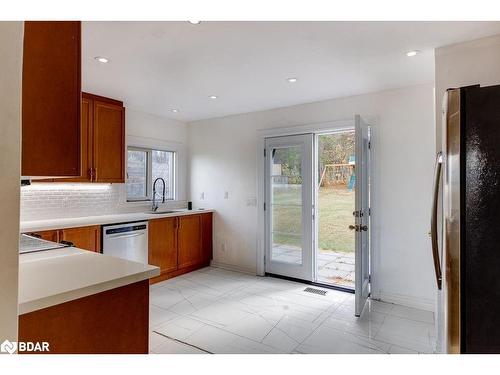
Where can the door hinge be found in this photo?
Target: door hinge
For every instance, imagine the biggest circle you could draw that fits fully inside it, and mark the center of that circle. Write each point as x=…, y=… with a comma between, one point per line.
x=264, y=206
x=369, y=211
x=370, y=278
x=264, y=152
x=370, y=144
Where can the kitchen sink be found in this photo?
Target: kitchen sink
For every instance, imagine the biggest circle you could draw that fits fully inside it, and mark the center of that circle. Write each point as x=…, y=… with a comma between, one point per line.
x=160, y=212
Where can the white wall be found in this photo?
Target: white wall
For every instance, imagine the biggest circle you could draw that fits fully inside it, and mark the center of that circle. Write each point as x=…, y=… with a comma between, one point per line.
x=56, y=200
x=11, y=38
x=223, y=157
x=463, y=64
x=148, y=130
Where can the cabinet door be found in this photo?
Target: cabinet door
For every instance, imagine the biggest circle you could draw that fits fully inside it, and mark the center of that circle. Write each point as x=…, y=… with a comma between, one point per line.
x=49, y=235
x=85, y=142
x=206, y=237
x=109, y=142
x=189, y=247
x=87, y=238
x=162, y=247
x=51, y=97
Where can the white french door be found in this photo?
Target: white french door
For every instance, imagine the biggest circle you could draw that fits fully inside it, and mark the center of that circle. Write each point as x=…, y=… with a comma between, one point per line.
x=290, y=227
x=289, y=206
x=362, y=214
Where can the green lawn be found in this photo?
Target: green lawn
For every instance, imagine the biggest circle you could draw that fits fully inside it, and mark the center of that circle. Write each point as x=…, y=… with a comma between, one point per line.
x=336, y=205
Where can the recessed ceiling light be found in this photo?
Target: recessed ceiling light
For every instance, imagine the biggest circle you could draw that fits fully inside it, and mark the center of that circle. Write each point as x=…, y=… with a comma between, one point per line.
x=101, y=59
x=412, y=53
x=175, y=110
x=292, y=80
x=194, y=22
x=212, y=97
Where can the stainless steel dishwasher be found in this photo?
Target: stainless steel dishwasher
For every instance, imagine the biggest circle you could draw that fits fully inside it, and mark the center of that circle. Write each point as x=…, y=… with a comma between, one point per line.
x=128, y=241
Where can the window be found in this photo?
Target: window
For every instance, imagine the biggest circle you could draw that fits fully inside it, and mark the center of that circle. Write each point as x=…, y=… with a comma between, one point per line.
x=144, y=166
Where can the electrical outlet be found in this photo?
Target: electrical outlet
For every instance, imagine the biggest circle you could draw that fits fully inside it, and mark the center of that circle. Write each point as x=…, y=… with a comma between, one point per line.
x=202, y=195
x=226, y=195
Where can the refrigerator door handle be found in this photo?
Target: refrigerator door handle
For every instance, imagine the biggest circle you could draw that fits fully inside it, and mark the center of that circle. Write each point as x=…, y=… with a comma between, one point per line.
x=434, y=219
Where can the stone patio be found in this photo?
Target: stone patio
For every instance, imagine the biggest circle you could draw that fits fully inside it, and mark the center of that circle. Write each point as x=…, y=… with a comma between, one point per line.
x=333, y=267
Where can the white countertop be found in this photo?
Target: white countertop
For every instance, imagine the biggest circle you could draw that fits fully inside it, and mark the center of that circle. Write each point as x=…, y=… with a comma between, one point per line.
x=71, y=222
x=48, y=278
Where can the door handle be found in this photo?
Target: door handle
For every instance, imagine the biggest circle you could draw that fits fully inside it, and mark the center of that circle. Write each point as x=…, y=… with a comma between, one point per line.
x=434, y=219
x=359, y=228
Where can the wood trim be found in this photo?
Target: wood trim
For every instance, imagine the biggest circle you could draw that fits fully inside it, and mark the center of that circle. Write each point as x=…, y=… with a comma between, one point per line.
x=103, y=99
x=112, y=322
x=178, y=272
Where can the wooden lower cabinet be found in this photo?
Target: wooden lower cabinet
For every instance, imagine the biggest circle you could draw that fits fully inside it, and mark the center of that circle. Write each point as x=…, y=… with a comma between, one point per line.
x=189, y=247
x=180, y=244
x=111, y=322
x=86, y=238
x=48, y=235
x=162, y=238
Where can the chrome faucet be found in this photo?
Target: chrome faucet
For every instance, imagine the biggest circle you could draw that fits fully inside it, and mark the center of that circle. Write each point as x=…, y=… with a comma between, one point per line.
x=155, y=205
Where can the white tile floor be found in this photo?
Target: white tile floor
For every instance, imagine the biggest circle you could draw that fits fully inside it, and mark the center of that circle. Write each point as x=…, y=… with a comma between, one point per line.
x=218, y=311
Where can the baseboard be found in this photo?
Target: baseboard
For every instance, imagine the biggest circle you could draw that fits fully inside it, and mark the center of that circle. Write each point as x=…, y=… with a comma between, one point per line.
x=405, y=300
x=232, y=267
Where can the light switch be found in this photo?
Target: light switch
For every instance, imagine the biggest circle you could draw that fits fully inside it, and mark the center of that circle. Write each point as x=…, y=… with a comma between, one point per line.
x=252, y=202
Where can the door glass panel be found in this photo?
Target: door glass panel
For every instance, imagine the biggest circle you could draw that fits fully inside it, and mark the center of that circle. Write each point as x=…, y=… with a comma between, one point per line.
x=336, y=184
x=286, y=204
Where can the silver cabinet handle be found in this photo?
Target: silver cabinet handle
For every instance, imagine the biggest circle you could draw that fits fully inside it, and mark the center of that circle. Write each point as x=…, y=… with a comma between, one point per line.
x=434, y=220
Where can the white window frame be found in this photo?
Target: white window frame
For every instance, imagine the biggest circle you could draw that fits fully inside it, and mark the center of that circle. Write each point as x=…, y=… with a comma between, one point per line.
x=149, y=173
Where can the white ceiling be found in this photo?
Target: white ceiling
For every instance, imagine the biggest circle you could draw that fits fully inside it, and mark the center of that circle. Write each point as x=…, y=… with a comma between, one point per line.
x=157, y=66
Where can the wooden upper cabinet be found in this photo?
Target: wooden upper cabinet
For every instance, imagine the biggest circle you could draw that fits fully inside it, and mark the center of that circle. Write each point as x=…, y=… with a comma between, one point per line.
x=87, y=238
x=162, y=247
x=102, y=140
x=189, y=237
x=85, y=142
x=108, y=141
x=51, y=98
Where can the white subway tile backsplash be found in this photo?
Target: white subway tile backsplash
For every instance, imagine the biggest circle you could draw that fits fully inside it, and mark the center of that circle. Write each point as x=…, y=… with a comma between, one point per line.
x=42, y=201
x=46, y=201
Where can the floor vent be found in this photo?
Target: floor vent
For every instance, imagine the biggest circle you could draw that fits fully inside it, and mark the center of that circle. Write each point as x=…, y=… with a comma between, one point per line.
x=315, y=291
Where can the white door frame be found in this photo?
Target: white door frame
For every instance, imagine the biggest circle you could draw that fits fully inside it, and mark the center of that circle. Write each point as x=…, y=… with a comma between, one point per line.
x=323, y=127
x=362, y=219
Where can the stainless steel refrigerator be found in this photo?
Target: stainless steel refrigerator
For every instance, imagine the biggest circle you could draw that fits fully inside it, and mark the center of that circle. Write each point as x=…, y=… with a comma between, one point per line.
x=465, y=224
